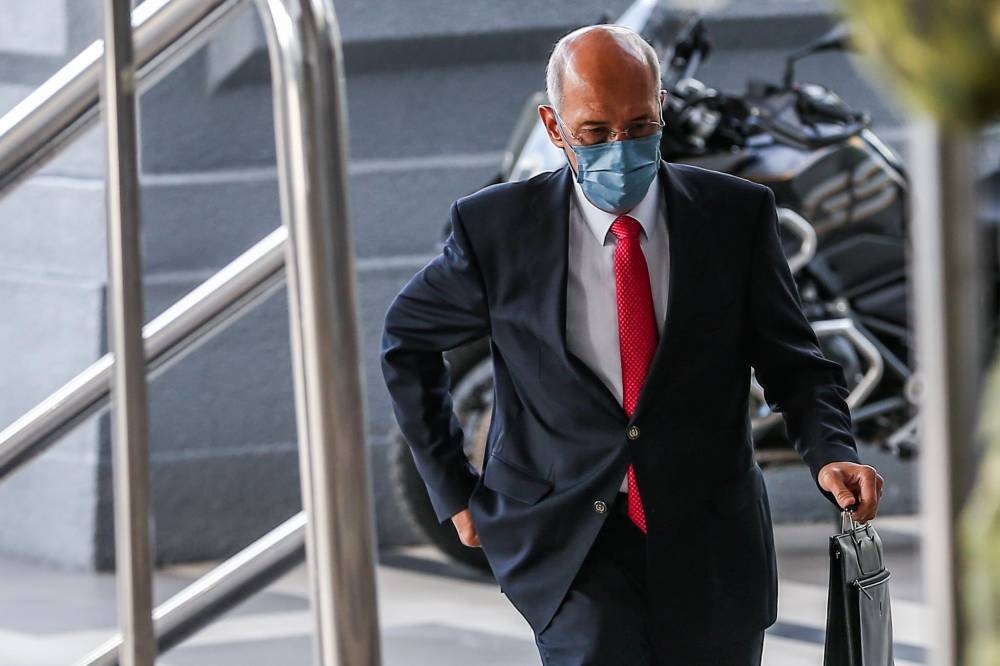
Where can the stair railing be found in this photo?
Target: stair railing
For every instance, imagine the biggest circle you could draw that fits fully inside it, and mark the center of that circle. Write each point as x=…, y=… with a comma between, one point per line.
x=315, y=246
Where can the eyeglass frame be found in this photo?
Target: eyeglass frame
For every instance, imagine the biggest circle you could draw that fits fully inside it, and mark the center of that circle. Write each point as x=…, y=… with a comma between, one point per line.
x=613, y=133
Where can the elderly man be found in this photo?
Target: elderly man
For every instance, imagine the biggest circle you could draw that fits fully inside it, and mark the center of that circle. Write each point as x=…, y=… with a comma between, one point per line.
x=626, y=299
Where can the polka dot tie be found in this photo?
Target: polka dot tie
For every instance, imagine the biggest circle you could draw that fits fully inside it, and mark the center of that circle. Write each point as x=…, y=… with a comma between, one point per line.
x=637, y=334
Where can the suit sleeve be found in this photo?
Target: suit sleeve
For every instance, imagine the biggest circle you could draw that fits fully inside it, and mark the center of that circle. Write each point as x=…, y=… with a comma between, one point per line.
x=798, y=381
x=442, y=307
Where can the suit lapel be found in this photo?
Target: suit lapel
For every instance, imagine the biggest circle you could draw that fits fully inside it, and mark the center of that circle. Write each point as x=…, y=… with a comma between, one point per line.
x=683, y=230
x=546, y=246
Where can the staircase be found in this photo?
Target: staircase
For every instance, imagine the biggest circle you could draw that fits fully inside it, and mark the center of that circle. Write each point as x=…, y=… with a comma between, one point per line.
x=434, y=88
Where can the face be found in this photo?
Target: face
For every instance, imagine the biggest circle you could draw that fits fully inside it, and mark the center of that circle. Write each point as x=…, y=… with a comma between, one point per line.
x=616, y=101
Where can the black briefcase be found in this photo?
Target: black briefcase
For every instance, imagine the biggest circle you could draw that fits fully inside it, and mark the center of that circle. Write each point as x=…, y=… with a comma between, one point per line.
x=858, y=616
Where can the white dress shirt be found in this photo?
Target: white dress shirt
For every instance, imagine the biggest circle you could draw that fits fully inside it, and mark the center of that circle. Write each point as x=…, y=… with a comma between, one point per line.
x=591, y=301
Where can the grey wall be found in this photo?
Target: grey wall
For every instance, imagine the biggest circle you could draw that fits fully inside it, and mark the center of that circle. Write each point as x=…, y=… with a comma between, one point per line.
x=434, y=89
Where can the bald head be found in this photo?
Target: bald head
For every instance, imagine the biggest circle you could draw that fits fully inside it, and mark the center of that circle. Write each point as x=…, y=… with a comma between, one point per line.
x=600, y=78
x=600, y=59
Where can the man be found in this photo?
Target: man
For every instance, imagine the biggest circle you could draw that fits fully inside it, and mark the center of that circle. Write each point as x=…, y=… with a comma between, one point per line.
x=620, y=507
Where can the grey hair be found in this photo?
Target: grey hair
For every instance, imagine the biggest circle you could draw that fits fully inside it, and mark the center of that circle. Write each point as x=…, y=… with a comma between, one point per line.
x=556, y=67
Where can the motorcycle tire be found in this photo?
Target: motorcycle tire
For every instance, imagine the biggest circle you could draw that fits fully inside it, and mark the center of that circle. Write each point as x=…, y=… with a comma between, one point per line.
x=410, y=488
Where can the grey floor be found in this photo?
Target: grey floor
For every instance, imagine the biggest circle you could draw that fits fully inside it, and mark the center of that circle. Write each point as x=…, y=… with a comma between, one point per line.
x=431, y=611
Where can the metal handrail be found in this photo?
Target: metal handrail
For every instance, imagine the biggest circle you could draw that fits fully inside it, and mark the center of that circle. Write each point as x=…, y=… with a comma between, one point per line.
x=181, y=328
x=231, y=582
x=59, y=110
x=310, y=134
x=310, y=118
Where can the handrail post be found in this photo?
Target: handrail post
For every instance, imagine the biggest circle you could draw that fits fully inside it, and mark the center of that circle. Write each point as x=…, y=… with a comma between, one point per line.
x=949, y=332
x=130, y=447
x=311, y=139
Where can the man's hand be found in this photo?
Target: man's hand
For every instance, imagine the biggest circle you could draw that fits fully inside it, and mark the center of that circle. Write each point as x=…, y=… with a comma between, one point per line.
x=849, y=483
x=466, y=530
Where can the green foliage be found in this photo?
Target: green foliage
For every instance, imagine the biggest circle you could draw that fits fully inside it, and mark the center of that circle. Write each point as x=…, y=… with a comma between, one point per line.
x=943, y=54
x=979, y=540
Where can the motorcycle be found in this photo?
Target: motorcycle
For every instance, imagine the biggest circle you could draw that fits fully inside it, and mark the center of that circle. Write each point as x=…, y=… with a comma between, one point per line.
x=843, y=202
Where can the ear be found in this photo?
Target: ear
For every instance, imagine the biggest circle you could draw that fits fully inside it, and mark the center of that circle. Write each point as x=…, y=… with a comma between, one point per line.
x=548, y=117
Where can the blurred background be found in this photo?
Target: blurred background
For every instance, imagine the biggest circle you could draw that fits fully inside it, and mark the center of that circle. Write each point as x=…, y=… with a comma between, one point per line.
x=441, y=100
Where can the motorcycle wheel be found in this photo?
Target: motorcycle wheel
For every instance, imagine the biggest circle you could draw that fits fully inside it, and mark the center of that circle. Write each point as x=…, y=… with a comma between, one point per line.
x=467, y=384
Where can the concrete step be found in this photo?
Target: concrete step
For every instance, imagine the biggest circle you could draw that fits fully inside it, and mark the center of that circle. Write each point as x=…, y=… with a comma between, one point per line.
x=435, y=33
x=426, y=128
x=460, y=110
x=413, y=104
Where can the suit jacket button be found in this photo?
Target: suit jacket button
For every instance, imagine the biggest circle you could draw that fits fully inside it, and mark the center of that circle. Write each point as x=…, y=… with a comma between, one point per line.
x=600, y=507
x=632, y=432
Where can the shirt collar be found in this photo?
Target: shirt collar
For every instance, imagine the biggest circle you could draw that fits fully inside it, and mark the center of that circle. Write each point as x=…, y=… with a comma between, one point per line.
x=599, y=221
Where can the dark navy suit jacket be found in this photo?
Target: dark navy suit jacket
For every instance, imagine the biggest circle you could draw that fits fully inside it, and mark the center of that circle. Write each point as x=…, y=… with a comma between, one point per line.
x=557, y=443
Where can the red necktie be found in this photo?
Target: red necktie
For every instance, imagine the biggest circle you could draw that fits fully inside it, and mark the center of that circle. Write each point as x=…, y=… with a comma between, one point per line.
x=637, y=334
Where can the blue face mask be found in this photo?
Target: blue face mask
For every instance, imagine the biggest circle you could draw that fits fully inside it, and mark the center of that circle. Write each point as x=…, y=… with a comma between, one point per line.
x=615, y=175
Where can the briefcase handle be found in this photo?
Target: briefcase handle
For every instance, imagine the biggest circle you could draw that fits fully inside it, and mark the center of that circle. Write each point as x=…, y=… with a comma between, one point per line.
x=848, y=524
x=857, y=531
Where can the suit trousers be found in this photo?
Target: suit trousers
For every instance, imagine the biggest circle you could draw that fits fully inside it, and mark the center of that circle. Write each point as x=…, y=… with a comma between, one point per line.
x=602, y=620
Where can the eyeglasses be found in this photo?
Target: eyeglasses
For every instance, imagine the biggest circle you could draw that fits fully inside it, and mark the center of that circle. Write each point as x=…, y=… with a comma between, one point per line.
x=590, y=136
